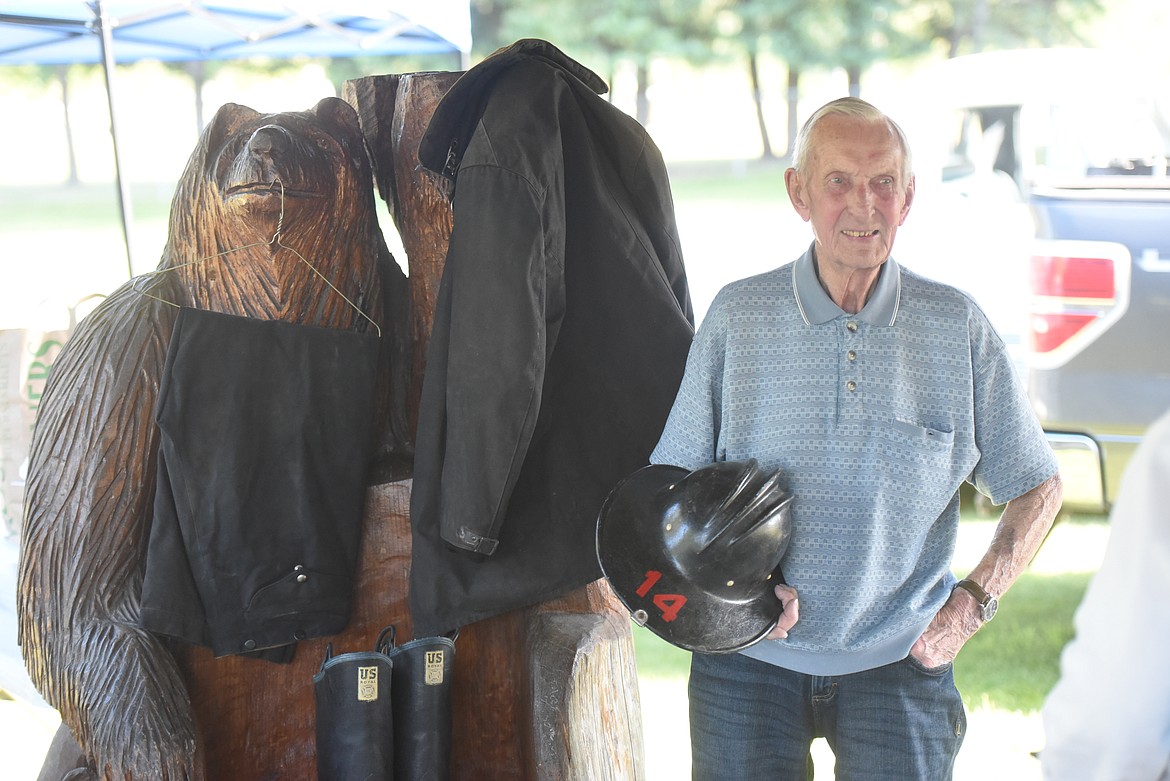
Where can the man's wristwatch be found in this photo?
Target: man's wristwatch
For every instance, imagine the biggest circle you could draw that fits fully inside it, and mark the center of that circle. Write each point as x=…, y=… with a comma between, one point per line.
x=987, y=603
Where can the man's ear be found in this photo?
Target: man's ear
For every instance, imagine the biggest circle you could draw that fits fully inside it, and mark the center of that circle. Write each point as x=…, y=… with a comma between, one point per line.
x=796, y=193
x=909, y=200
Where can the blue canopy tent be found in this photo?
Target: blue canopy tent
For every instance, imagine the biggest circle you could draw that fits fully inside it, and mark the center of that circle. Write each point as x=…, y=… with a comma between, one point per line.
x=124, y=31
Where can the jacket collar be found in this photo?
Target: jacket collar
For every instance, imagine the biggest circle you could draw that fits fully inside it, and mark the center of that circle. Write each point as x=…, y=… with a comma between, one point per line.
x=455, y=118
x=817, y=308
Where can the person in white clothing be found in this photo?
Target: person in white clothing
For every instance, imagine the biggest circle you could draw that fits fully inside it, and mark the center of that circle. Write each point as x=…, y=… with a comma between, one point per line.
x=1108, y=717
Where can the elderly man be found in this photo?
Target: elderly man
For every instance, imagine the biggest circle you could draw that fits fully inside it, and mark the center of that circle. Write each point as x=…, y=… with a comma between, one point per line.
x=878, y=393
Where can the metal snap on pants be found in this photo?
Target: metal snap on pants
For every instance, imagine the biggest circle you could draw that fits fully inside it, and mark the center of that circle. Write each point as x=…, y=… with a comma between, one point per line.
x=265, y=439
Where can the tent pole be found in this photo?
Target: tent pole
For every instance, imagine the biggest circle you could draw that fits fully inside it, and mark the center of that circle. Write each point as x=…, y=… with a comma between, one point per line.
x=124, y=205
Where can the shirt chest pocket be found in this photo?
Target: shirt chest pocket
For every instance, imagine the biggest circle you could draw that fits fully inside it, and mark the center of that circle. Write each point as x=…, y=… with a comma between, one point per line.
x=920, y=455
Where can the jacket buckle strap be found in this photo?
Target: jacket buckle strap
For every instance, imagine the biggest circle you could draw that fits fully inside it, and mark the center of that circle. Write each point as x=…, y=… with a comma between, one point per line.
x=477, y=542
x=452, y=162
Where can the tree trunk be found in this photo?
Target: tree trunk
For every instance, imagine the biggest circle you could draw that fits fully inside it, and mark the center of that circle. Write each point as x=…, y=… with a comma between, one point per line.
x=559, y=678
x=197, y=69
x=853, y=72
x=63, y=80
x=642, y=105
x=793, y=109
x=758, y=98
x=979, y=25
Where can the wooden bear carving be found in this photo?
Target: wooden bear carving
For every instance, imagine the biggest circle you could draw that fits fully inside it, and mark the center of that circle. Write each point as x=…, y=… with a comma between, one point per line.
x=273, y=219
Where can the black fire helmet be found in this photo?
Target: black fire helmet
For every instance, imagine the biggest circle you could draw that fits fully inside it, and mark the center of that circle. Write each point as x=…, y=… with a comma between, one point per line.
x=694, y=555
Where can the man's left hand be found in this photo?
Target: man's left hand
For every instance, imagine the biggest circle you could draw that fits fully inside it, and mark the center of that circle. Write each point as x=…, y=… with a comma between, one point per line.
x=950, y=628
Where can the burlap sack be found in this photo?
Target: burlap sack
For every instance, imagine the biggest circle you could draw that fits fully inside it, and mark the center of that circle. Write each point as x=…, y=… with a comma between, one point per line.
x=26, y=356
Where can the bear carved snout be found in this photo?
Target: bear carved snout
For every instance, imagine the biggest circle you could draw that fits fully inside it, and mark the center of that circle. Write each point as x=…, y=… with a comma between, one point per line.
x=276, y=161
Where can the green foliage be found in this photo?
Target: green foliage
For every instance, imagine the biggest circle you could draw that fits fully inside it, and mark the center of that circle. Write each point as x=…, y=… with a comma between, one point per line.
x=828, y=33
x=869, y=31
x=967, y=26
x=39, y=78
x=793, y=30
x=852, y=35
x=633, y=30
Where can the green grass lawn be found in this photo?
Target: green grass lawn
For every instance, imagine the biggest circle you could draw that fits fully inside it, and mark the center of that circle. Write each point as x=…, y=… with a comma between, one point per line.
x=1012, y=662
x=80, y=206
x=1009, y=665
x=95, y=205
x=758, y=182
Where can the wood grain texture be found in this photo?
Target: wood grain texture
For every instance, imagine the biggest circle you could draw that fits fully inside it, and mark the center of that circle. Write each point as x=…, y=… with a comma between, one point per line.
x=394, y=111
x=546, y=692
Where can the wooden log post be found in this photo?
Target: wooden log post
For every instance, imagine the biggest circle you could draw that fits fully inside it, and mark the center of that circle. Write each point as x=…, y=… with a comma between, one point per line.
x=257, y=720
x=394, y=111
x=544, y=693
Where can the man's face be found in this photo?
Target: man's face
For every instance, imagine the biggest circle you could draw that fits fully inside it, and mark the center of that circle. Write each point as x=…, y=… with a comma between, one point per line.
x=853, y=191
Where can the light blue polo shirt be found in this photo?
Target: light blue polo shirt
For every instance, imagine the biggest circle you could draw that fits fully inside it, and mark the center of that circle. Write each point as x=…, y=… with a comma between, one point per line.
x=876, y=419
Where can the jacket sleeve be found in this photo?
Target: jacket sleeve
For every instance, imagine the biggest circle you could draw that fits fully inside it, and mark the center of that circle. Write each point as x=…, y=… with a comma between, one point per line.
x=502, y=296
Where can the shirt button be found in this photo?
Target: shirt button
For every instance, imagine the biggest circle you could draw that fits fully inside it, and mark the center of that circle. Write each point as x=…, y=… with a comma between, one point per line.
x=851, y=355
x=250, y=644
x=851, y=385
x=852, y=326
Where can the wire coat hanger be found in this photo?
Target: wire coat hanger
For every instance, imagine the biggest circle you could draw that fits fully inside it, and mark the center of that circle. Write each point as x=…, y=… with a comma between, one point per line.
x=274, y=241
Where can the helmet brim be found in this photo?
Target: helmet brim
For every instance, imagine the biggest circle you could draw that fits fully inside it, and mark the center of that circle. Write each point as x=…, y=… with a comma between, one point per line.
x=636, y=561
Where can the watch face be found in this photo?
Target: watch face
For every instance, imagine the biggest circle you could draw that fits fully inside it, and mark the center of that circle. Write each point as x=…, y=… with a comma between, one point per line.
x=990, y=608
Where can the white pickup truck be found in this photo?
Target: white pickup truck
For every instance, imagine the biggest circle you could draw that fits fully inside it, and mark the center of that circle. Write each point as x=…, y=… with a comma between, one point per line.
x=1057, y=201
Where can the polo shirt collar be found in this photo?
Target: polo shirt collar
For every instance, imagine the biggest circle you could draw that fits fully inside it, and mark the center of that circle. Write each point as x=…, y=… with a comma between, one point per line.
x=816, y=307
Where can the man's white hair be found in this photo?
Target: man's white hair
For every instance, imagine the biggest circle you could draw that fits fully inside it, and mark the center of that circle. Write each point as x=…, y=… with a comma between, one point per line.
x=848, y=107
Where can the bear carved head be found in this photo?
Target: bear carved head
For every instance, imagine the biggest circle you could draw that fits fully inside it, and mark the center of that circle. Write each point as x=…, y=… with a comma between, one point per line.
x=274, y=216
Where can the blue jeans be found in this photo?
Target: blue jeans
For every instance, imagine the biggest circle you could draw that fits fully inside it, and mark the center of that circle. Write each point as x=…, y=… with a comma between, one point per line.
x=754, y=721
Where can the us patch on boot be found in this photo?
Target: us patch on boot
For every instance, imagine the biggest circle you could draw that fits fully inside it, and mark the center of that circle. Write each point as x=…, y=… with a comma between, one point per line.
x=367, y=689
x=433, y=675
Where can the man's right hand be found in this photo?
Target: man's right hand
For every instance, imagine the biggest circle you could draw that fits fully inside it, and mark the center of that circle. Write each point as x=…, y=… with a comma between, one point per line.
x=790, y=614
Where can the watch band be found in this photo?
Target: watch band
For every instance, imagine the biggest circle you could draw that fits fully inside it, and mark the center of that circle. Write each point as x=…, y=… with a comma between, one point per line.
x=975, y=590
x=987, y=603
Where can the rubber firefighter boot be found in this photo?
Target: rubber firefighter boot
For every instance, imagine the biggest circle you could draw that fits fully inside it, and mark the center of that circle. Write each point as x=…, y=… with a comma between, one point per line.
x=422, y=708
x=355, y=716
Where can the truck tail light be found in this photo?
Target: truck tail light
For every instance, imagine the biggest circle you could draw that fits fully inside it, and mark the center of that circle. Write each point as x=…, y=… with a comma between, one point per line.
x=1079, y=288
x=1071, y=293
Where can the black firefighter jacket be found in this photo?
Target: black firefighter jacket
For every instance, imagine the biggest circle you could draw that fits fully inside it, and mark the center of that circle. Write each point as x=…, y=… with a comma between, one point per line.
x=561, y=331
